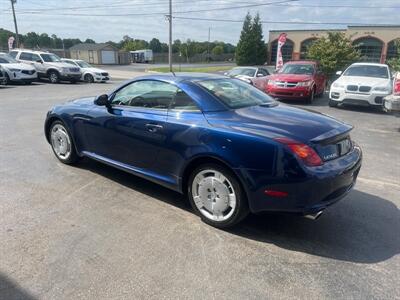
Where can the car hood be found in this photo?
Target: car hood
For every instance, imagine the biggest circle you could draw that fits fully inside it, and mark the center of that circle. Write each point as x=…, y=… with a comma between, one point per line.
x=94, y=70
x=18, y=66
x=290, y=77
x=360, y=80
x=279, y=121
x=83, y=101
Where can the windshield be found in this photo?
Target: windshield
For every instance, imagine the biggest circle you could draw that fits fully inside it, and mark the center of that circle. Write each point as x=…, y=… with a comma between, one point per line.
x=83, y=64
x=235, y=93
x=367, y=71
x=242, y=71
x=7, y=59
x=306, y=69
x=50, y=58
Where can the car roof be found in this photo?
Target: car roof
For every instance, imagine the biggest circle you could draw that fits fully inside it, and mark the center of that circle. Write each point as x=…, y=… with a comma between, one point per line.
x=32, y=51
x=302, y=62
x=246, y=67
x=369, y=64
x=181, y=76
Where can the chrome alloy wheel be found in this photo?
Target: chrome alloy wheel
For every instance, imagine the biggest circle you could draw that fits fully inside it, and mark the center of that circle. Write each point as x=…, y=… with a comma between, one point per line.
x=213, y=195
x=60, y=142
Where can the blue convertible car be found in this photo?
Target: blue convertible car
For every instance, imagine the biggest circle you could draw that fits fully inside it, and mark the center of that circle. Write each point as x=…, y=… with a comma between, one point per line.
x=228, y=146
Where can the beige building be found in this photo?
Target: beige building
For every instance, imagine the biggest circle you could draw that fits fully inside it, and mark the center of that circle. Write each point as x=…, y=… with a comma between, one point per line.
x=376, y=43
x=98, y=54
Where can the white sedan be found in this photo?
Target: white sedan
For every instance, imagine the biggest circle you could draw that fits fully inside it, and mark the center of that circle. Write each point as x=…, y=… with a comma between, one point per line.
x=89, y=73
x=15, y=71
x=361, y=84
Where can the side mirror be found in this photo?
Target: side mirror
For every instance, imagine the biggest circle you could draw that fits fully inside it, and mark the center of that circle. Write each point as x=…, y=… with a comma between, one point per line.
x=338, y=73
x=102, y=100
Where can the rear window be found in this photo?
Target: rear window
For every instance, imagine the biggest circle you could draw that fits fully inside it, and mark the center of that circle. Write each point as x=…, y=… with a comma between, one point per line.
x=235, y=93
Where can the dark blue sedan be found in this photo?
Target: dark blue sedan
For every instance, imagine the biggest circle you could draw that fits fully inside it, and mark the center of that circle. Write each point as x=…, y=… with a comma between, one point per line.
x=228, y=146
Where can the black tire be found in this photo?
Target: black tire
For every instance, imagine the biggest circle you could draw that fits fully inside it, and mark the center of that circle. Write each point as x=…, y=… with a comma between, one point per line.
x=54, y=77
x=7, y=79
x=73, y=81
x=333, y=103
x=311, y=98
x=241, y=209
x=89, y=78
x=73, y=156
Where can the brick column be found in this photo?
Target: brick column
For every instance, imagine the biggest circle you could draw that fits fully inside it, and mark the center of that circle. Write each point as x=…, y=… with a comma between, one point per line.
x=384, y=52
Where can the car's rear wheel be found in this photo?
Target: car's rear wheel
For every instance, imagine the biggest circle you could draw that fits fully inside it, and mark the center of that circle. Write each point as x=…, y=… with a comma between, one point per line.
x=7, y=79
x=217, y=196
x=53, y=77
x=89, y=78
x=62, y=143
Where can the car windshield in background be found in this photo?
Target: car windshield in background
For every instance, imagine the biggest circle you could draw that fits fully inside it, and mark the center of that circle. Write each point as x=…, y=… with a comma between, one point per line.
x=306, y=69
x=242, y=71
x=7, y=59
x=50, y=57
x=367, y=71
x=235, y=93
x=83, y=64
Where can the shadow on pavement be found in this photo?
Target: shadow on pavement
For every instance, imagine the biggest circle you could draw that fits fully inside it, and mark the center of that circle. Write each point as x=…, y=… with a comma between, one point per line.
x=10, y=290
x=361, y=228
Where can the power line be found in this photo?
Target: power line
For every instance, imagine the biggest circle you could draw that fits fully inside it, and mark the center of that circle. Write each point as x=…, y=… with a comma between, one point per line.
x=284, y=22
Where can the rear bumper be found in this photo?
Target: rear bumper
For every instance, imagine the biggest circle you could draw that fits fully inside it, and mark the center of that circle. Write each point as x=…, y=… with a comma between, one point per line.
x=313, y=191
x=288, y=93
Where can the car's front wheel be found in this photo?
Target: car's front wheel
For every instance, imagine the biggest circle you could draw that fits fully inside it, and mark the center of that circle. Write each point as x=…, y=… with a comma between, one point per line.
x=89, y=78
x=333, y=103
x=217, y=196
x=53, y=77
x=62, y=143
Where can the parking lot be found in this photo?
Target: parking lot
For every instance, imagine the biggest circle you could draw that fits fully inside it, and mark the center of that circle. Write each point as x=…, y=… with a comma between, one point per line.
x=91, y=231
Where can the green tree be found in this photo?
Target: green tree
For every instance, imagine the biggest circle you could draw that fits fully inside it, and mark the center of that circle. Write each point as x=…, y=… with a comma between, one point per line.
x=89, y=41
x=251, y=49
x=217, y=50
x=394, y=63
x=334, y=52
x=155, y=45
x=244, y=47
x=260, y=50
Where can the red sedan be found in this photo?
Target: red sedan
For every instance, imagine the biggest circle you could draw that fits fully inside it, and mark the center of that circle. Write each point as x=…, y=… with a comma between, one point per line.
x=297, y=80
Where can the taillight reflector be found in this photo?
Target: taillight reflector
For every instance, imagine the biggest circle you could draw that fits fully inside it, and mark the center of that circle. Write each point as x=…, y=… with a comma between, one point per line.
x=278, y=194
x=303, y=151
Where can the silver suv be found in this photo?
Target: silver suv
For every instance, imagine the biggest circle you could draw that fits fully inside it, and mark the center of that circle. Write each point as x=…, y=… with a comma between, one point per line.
x=48, y=65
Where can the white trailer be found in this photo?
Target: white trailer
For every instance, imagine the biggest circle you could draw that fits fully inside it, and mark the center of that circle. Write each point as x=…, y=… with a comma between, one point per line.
x=142, y=56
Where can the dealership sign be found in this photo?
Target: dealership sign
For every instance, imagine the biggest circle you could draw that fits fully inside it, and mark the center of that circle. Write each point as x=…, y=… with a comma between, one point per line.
x=279, y=59
x=10, y=42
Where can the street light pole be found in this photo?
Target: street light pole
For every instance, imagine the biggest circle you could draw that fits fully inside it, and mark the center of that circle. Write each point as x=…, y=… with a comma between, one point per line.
x=208, y=44
x=15, y=23
x=170, y=36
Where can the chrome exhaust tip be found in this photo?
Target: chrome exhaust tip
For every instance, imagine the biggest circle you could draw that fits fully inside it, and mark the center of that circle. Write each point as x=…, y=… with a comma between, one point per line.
x=313, y=216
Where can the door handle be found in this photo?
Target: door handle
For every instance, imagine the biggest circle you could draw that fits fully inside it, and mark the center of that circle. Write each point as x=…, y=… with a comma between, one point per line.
x=153, y=127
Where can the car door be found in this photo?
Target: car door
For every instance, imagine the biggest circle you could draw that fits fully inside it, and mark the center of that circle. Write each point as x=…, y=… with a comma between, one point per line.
x=38, y=63
x=132, y=130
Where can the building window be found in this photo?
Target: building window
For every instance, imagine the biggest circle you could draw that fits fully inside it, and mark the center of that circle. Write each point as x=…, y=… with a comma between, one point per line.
x=392, y=50
x=370, y=49
x=287, y=51
x=304, y=47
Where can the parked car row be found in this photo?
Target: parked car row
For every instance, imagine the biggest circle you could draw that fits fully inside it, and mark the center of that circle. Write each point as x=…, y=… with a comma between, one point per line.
x=21, y=65
x=365, y=84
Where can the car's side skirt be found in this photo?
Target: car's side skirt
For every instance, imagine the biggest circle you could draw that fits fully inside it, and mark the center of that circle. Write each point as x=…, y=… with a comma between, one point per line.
x=170, y=182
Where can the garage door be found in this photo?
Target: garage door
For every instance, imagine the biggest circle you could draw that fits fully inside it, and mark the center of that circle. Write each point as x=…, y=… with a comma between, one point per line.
x=108, y=57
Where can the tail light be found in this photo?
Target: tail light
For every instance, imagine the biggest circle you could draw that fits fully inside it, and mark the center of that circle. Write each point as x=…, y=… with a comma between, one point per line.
x=302, y=151
x=397, y=87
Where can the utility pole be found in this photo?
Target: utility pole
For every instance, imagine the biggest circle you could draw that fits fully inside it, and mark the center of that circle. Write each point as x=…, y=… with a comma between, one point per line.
x=15, y=23
x=170, y=36
x=208, y=44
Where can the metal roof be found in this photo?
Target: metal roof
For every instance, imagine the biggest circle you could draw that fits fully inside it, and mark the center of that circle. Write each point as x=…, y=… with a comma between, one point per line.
x=90, y=46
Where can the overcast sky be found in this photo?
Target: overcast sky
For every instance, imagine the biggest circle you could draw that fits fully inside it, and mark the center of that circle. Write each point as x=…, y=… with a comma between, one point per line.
x=83, y=18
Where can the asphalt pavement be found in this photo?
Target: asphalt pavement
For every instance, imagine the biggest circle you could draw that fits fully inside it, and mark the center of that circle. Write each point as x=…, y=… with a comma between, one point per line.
x=93, y=232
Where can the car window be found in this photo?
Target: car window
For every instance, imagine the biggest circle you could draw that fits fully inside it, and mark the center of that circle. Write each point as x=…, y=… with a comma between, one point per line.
x=13, y=54
x=3, y=61
x=50, y=57
x=146, y=93
x=306, y=69
x=235, y=93
x=69, y=62
x=367, y=71
x=182, y=101
x=242, y=71
x=83, y=64
x=35, y=57
x=25, y=56
x=263, y=72
x=7, y=59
